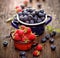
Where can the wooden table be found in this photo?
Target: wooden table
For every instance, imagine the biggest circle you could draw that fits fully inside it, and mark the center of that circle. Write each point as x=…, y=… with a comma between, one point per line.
x=6, y=11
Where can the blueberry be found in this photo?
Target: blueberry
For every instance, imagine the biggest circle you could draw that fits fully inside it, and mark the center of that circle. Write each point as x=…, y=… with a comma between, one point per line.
x=33, y=13
x=25, y=13
x=53, y=47
x=30, y=1
x=37, y=0
x=25, y=17
x=5, y=43
x=47, y=36
x=43, y=40
x=39, y=5
x=20, y=13
x=30, y=17
x=22, y=53
x=31, y=10
x=21, y=18
x=34, y=45
x=39, y=20
x=43, y=0
x=42, y=18
x=35, y=18
x=22, y=6
x=42, y=11
x=36, y=12
x=53, y=33
x=27, y=9
x=41, y=14
x=51, y=40
x=27, y=21
x=31, y=21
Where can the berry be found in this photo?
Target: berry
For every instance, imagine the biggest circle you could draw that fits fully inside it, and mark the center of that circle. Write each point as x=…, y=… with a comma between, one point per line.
x=53, y=47
x=35, y=18
x=28, y=30
x=20, y=32
x=22, y=53
x=25, y=17
x=37, y=0
x=27, y=21
x=25, y=39
x=25, y=12
x=39, y=20
x=21, y=18
x=53, y=34
x=30, y=1
x=22, y=6
x=18, y=10
x=36, y=53
x=39, y=47
x=41, y=14
x=5, y=43
x=22, y=27
x=20, y=13
x=25, y=2
x=43, y=0
x=43, y=40
x=51, y=40
x=42, y=18
x=42, y=11
x=31, y=21
x=32, y=36
x=34, y=44
x=33, y=13
x=39, y=5
x=16, y=7
x=16, y=37
x=47, y=36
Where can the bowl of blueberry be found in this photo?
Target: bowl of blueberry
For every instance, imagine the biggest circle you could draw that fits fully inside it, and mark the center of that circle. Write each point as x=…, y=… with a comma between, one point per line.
x=35, y=19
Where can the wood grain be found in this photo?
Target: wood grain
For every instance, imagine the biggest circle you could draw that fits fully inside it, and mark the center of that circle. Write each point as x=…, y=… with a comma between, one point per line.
x=6, y=11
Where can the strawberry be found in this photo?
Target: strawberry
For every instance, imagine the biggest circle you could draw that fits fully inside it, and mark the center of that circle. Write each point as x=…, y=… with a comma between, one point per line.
x=32, y=36
x=36, y=53
x=28, y=30
x=16, y=7
x=39, y=47
x=16, y=37
x=25, y=2
x=19, y=32
x=25, y=39
x=22, y=27
x=18, y=10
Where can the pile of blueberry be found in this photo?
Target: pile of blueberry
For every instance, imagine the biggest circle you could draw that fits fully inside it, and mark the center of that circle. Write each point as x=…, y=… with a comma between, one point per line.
x=51, y=39
x=32, y=16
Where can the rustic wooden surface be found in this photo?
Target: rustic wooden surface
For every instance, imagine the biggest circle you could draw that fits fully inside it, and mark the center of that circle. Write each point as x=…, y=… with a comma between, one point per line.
x=6, y=11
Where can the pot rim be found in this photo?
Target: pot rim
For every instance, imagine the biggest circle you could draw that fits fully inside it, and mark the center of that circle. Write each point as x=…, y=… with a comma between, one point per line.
x=31, y=24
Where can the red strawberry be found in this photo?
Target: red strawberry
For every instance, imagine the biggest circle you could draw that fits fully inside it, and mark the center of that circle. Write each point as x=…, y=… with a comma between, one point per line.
x=22, y=27
x=28, y=30
x=17, y=7
x=32, y=36
x=39, y=47
x=36, y=53
x=19, y=32
x=25, y=39
x=18, y=10
x=25, y=2
x=16, y=37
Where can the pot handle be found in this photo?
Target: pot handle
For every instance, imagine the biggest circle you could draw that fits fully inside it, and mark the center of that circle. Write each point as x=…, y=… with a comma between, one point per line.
x=11, y=34
x=48, y=20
